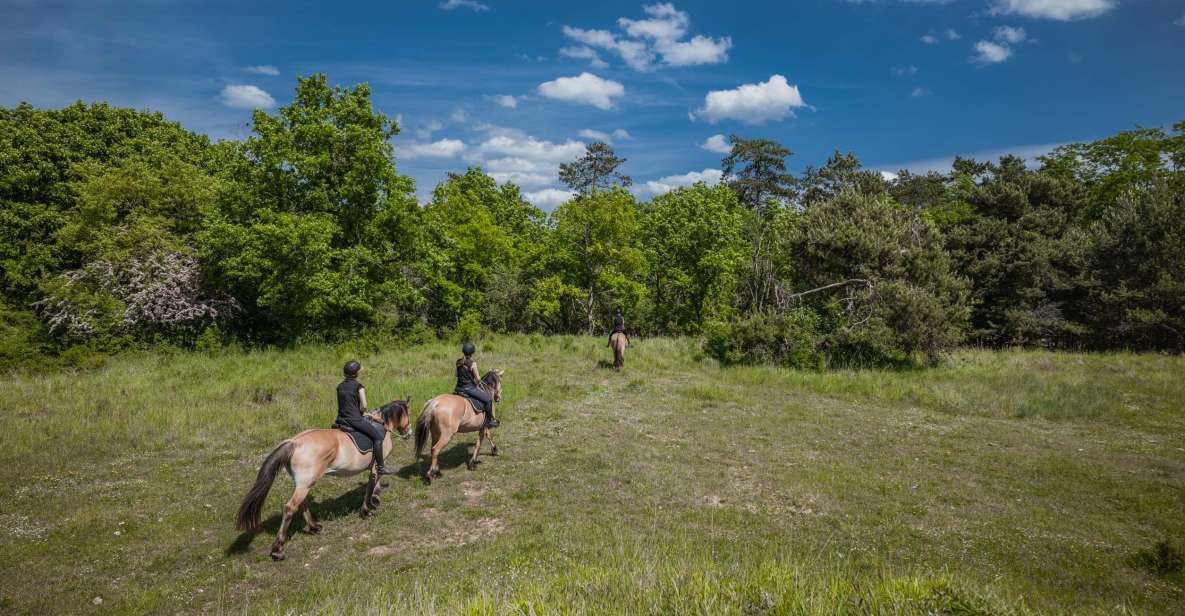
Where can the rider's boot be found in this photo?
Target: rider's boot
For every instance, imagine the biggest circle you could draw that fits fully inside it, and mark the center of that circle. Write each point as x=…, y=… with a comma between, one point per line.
x=379, y=468
x=491, y=421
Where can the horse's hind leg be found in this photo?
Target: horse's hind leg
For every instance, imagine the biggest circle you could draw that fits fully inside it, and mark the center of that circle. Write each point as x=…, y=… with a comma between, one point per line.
x=311, y=522
x=437, y=447
x=493, y=445
x=472, y=463
x=293, y=505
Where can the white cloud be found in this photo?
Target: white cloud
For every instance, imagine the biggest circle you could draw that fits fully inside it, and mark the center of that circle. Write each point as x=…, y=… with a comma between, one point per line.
x=475, y=6
x=948, y=34
x=888, y=176
x=906, y=70
x=595, y=135
x=621, y=133
x=586, y=88
x=645, y=40
x=505, y=100
x=699, y=50
x=919, y=92
x=584, y=53
x=1181, y=21
x=716, y=143
x=247, y=97
x=548, y=198
x=530, y=149
x=445, y=148
x=988, y=52
x=752, y=103
x=425, y=131
x=951, y=35
x=264, y=69
x=929, y=39
x=1060, y=10
x=1008, y=34
x=709, y=176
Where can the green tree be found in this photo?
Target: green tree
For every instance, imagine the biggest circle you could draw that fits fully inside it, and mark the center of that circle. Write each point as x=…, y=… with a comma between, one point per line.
x=841, y=172
x=317, y=229
x=693, y=242
x=594, y=251
x=595, y=171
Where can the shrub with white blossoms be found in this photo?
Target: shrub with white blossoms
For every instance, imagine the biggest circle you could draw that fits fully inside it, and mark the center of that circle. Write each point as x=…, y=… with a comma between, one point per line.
x=159, y=291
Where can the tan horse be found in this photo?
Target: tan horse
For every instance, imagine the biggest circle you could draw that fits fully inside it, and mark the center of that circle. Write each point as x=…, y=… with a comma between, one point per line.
x=448, y=414
x=310, y=455
x=618, y=341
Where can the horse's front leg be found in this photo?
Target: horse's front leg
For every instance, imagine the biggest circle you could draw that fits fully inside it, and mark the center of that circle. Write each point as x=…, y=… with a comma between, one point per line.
x=493, y=445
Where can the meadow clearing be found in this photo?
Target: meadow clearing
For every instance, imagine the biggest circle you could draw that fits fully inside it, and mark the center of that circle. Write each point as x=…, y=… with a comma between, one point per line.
x=1000, y=482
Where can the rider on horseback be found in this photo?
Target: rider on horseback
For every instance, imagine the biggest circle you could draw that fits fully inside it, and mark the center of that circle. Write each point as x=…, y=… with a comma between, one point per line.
x=351, y=411
x=618, y=325
x=467, y=384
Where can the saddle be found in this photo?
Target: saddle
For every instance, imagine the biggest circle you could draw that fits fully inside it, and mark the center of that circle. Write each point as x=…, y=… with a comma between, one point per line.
x=362, y=442
x=478, y=405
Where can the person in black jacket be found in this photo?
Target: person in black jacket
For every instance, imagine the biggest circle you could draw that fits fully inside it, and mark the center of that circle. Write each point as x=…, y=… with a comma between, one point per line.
x=618, y=325
x=467, y=384
x=351, y=410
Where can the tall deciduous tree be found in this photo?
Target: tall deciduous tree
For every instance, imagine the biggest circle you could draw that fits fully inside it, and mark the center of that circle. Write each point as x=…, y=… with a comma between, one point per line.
x=595, y=249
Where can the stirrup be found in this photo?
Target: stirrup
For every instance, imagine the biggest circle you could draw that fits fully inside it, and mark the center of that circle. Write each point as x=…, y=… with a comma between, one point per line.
x=383, y=471
x=492, y=422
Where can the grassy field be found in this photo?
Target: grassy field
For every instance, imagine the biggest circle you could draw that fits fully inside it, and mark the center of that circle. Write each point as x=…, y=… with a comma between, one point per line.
x=1002, y=482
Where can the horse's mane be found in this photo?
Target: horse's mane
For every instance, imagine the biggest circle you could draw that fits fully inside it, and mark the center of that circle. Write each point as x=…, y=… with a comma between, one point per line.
x=392, y=410
x=490, y=380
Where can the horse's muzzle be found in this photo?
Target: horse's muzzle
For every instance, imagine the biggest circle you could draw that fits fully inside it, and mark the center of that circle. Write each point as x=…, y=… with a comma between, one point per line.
x=405, y=435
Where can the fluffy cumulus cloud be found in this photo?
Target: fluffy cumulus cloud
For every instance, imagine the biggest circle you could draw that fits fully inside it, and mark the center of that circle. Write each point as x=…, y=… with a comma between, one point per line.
x=1061, y=10
x=581, y=52
x=510, y=155
x=548, y=198
x=656, y=40
x=445, y=148
x=987, y=52
x=473, y=5
x=716, y=143
x=585, y=88
x=246, y=97
x=425, y=131
x=264, y=69
x=752, y=103
x=711, y=177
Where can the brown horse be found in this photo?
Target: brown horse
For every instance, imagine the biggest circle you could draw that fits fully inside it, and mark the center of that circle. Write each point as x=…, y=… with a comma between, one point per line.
x=310, y=455
x=618, y=341
x=448, y=414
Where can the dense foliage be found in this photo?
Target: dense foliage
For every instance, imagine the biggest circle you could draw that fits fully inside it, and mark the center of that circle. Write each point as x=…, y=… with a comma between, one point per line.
x=121, y=229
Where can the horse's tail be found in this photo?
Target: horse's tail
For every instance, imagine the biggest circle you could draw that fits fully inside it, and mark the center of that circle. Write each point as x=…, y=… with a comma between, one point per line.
x=422, y=426
x=248, y=516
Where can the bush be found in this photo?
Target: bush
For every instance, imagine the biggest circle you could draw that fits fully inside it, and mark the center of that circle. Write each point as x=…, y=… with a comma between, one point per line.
x=792, y=339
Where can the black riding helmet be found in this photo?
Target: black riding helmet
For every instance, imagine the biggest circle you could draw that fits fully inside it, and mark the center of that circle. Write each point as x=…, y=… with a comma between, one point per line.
x=468, y=348
x=351, y=369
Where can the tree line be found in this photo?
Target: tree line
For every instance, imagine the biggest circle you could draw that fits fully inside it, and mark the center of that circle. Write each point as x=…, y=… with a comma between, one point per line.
x=120, y=229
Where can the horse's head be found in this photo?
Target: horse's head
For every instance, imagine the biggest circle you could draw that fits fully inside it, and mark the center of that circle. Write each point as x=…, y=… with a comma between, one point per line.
x=493, y=384
x=397, y=416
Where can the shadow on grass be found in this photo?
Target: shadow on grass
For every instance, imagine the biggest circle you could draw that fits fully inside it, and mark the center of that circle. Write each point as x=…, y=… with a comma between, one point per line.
x=345, y=504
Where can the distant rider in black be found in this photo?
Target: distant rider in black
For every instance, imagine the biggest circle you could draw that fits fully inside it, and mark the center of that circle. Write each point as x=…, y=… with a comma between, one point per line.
x=351, y=410
x=467, y=379
x=618, y=325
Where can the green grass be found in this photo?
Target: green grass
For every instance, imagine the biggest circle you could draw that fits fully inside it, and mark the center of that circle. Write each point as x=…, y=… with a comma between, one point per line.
x=1001, y=482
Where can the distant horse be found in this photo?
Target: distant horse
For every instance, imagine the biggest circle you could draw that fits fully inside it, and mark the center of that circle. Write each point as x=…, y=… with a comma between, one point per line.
x=619, y=341
x=310, y=455
x=448, y=414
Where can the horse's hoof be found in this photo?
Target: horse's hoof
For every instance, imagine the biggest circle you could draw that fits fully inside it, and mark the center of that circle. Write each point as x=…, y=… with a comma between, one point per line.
x=494, y=451
x=428, y=479
x=375, y=502
x=470, y=465
x=364, y=513
x=277, y=556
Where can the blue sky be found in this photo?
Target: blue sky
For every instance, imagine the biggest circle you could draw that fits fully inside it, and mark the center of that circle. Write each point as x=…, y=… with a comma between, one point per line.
x=518, y=87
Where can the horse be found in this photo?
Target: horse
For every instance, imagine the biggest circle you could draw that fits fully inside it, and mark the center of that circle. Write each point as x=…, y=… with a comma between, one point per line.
x=618, y=341
x=310, y=455
x=448, y=414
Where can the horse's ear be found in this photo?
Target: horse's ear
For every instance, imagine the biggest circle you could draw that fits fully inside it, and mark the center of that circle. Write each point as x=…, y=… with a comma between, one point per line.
x=500, y=372
x=408, y=400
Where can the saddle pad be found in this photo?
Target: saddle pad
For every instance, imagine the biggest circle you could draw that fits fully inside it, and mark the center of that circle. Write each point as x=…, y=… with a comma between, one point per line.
x=362, y=442
x=477, y=405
